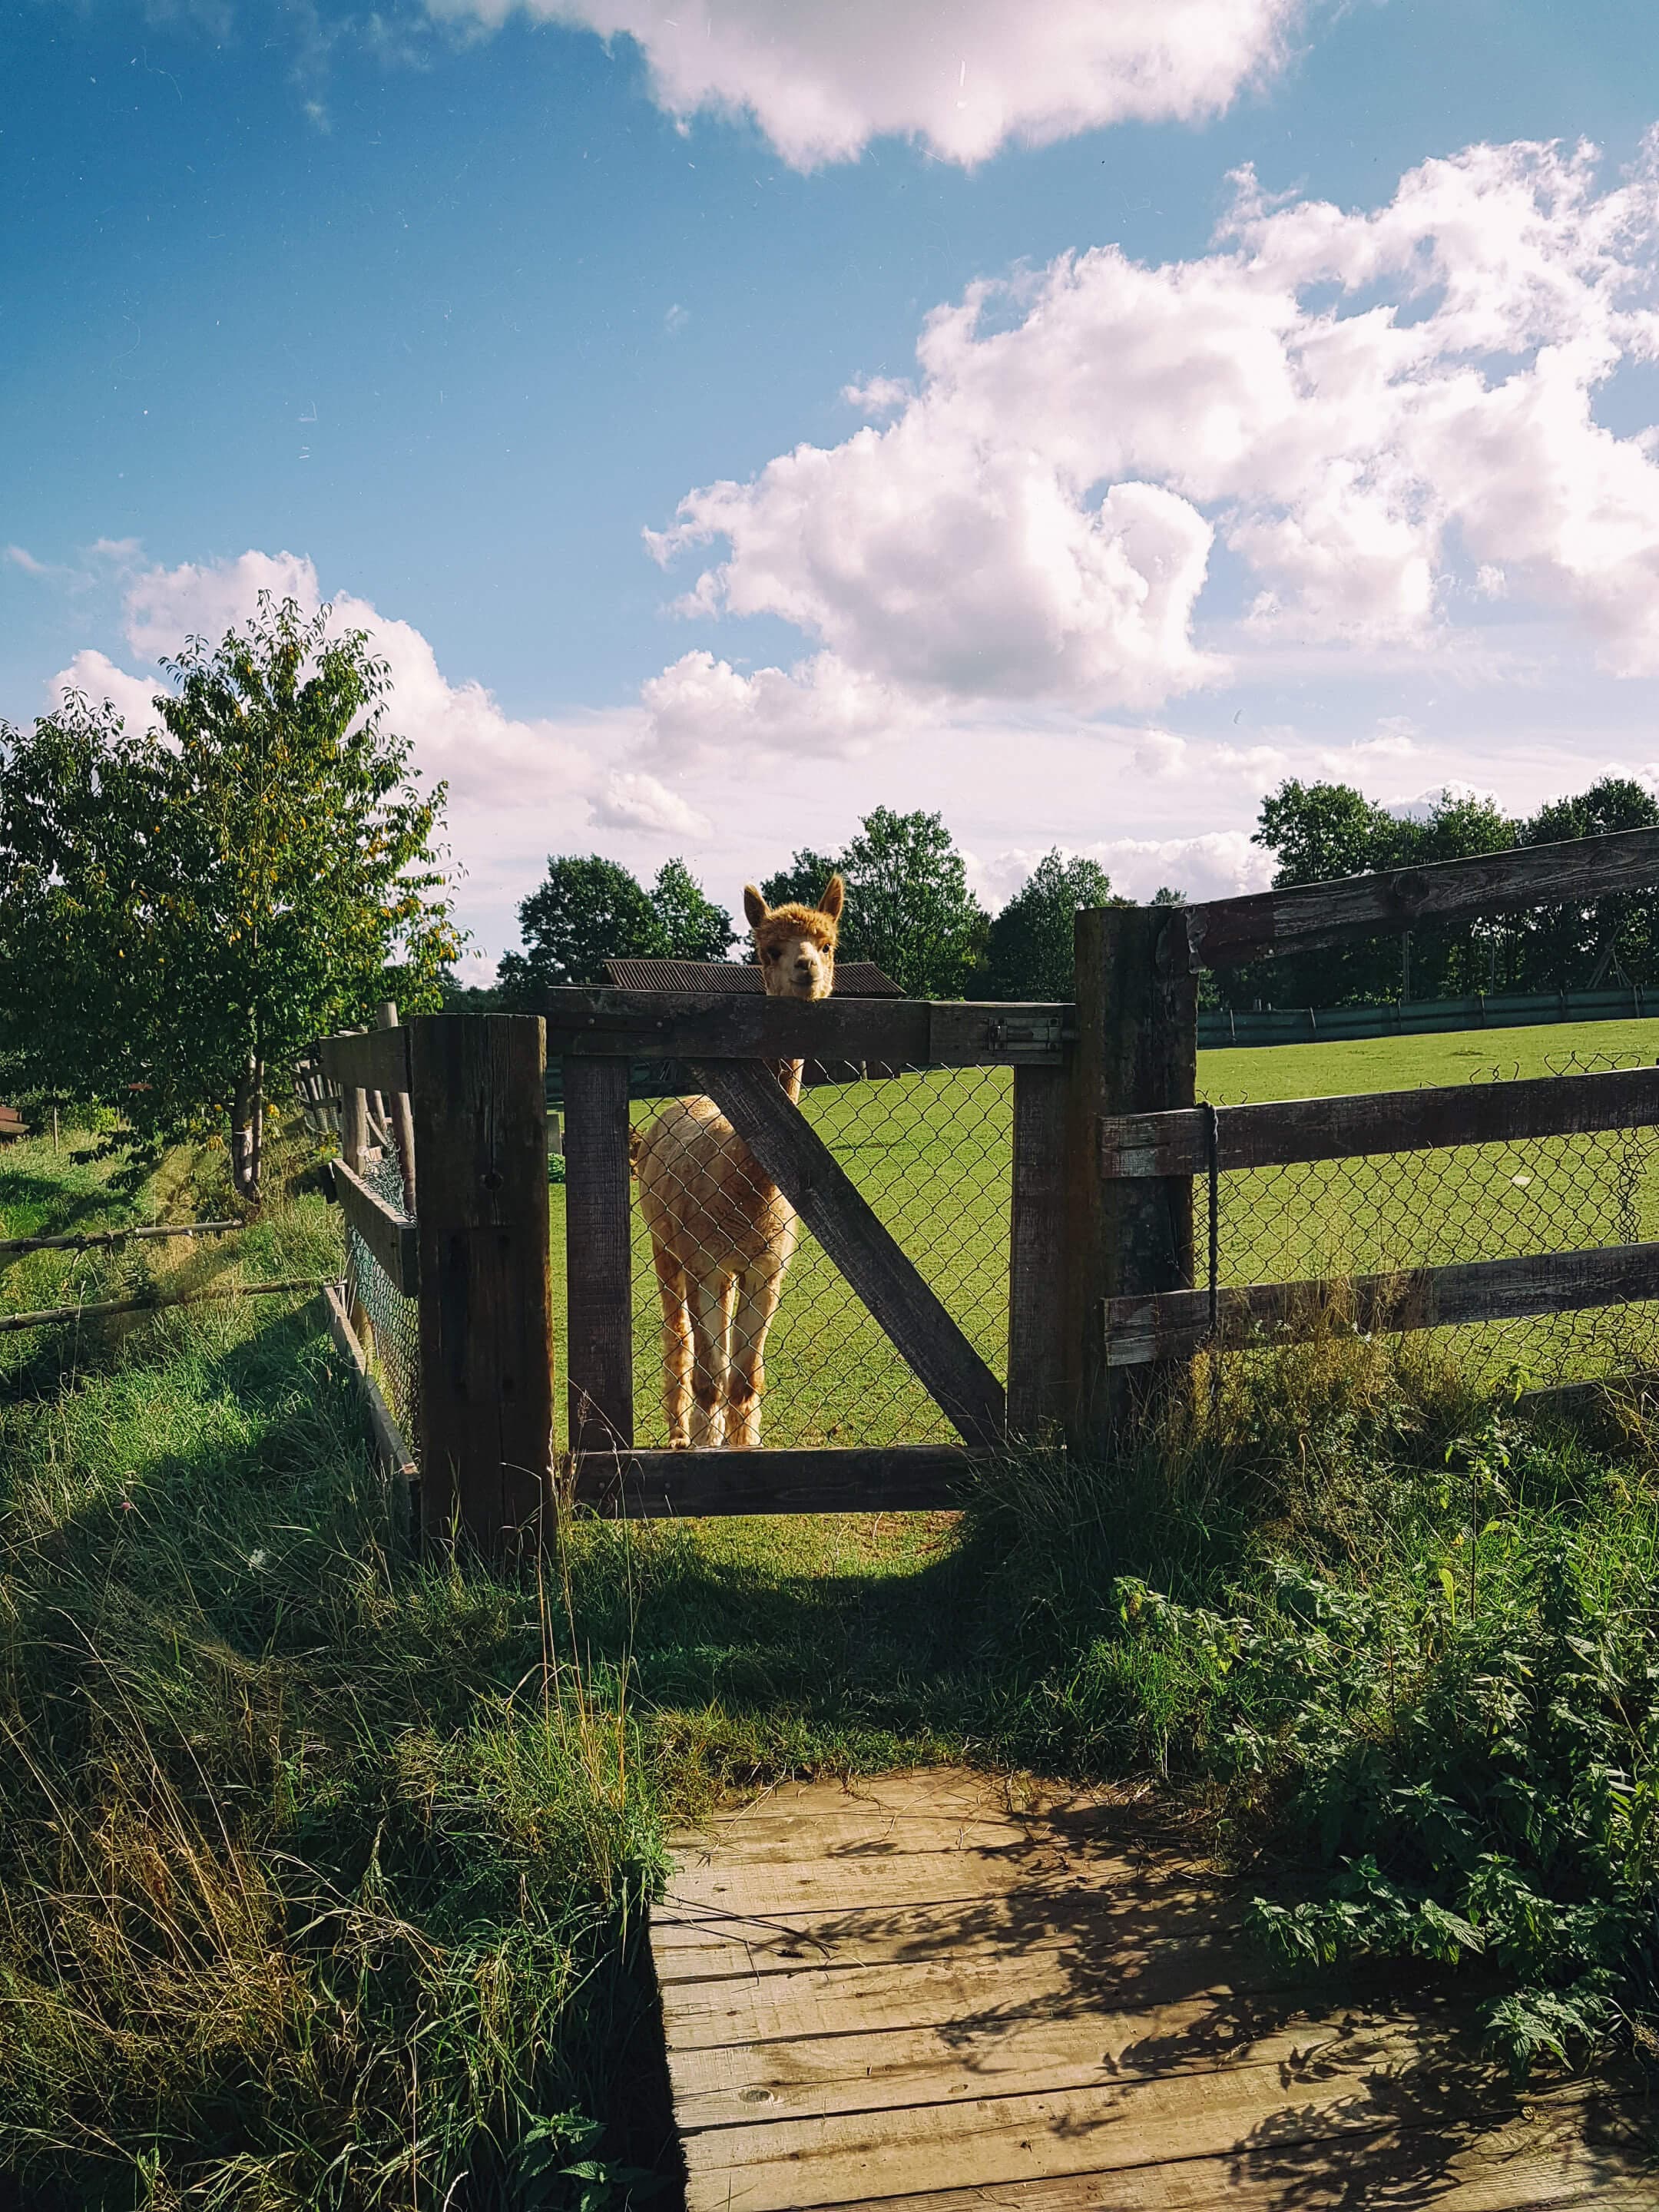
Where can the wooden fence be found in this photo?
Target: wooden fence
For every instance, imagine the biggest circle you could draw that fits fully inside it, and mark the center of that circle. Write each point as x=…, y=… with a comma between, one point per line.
x=1108, y=1147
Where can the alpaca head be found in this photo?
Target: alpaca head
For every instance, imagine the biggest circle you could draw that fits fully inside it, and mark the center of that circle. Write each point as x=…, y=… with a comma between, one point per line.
x=796, y=944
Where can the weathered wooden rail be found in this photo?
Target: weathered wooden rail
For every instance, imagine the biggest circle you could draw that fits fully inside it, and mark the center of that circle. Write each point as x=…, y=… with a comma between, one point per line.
x=1109, y=1145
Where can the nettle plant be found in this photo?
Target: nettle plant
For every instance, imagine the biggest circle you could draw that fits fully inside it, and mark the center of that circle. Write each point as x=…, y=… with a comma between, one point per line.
x=1475, y=1770
x=183, y=908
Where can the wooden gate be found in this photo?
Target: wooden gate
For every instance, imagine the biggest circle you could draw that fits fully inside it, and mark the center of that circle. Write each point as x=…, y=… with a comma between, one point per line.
x=1106, y=1289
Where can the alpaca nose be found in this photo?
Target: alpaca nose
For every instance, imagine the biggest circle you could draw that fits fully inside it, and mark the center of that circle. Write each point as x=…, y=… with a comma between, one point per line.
x=804, y=970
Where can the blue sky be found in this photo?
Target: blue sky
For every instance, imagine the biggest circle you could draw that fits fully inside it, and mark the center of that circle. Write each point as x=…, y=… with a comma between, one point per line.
x=437, y=312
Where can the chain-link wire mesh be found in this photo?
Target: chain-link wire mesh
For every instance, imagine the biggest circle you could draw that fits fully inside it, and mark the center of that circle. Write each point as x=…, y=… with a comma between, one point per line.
x=1330, y=1219
x=731, y=1293
x=394, y=1321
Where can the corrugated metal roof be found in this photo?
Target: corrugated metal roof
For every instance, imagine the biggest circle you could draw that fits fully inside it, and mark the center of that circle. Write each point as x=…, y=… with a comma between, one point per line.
x=854, y=979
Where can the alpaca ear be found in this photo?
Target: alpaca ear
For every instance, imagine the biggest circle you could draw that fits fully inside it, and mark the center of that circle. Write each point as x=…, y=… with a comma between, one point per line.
x=834, y=894
x=754, y=906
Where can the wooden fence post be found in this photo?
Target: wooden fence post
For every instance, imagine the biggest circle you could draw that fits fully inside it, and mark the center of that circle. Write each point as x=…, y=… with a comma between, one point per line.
x=480, y=1131
x=599, y=1256
x=1036, y=1254
x=400, y=1121
x=1136, y=1053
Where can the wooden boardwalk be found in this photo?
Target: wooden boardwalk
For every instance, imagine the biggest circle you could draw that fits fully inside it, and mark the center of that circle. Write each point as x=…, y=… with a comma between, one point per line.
x=935, y=1990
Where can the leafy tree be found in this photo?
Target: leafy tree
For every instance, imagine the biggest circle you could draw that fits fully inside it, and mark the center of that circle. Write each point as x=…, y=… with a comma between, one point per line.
x=802, y=882
x=912, y=913
x=1027, y=952
x=590, y=910
x=1577, y=948
x=1319, y=831
x=908, y=907
x=693, y=927
x=181, y=912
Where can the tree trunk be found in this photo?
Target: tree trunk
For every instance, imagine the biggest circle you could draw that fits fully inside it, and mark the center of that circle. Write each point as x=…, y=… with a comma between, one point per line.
x=247, y=1130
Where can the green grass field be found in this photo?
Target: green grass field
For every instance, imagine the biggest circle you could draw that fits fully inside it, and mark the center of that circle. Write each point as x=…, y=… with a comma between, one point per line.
x=931, y=1152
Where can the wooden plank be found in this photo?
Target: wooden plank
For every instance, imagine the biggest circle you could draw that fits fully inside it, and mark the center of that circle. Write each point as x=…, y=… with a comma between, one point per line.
x=882, y=1478
x=599, y=1258
x=1176, y=1324
x=402, y=1117
x=970, y=1986
x=393, y=1240
x=1289, y=1130
x=1036, y=1254
x=1137, y=1053
x=585, y=1023
x=1131, y=1916
x=791, y=1151
x=1347, y=2084
x=771, y=1890
x=964, y=1033
x=367, y=1060
x=1564, y=2149
x=390, y=1449
x=486, y=1306
x=838, y=2064
x=1302, y=916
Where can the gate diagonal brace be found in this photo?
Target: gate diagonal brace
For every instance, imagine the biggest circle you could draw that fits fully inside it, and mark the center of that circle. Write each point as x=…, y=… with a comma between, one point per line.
x=792, y=1153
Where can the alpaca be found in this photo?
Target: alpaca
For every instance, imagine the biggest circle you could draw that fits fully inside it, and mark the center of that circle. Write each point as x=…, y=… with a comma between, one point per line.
x=722, y=1234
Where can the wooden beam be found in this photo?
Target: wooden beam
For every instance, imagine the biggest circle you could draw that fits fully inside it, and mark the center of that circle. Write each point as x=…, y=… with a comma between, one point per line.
x=390, y=1449
x=394, y=1241
x=1137, y=1052
x=888, y=1478
x=1176, y=1324
x=598, y=1255
x=486, y=1308
x=367, y=1060
x=402, y=1119
x=587, y=1024
x=1036, y=1254
x=1302, y=916
x=793, y=1154
x=1290, y=1130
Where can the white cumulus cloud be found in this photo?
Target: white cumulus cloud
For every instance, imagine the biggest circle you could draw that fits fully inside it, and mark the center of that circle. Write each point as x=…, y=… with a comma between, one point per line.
x=1368, y=408
x=702, y=709
x=823, y=77
x=634, y=800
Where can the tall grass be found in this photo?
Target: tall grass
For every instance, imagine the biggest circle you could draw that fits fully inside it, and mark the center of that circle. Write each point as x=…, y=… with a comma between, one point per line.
x=320, y=1872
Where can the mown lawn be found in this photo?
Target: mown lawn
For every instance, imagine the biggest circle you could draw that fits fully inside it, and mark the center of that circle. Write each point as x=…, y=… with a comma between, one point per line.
x=931, y=1154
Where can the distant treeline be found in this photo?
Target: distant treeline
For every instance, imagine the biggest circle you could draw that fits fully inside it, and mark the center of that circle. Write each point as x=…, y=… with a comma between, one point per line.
x=911, y=910
x=1318, y=830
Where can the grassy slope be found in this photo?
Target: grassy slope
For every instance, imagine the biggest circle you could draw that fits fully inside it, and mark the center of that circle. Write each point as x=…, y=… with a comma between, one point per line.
x=320, y=1871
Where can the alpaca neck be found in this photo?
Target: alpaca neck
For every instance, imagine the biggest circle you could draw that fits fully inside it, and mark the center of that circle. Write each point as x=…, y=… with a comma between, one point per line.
x=789, y=1075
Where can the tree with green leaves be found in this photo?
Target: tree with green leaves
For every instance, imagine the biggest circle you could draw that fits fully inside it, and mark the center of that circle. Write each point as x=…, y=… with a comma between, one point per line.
x=1579, y=948
x=1029, y=950
x=908, y=905
x=692, y=925
x=182, y=911
x=1318, y=831
x=588, y=910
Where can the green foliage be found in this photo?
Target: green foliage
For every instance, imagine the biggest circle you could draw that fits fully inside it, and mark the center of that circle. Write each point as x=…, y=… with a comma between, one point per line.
x=180, y=914
x=908, y=907
x=321, y=1872
x=589, y=910
x=801, y=884
x=1028, y=951
x=1319, y=831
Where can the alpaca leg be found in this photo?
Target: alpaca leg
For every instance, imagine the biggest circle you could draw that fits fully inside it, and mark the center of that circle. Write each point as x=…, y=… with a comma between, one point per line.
x=759, y=1289
x=676, y=1347
x=711, y=1359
